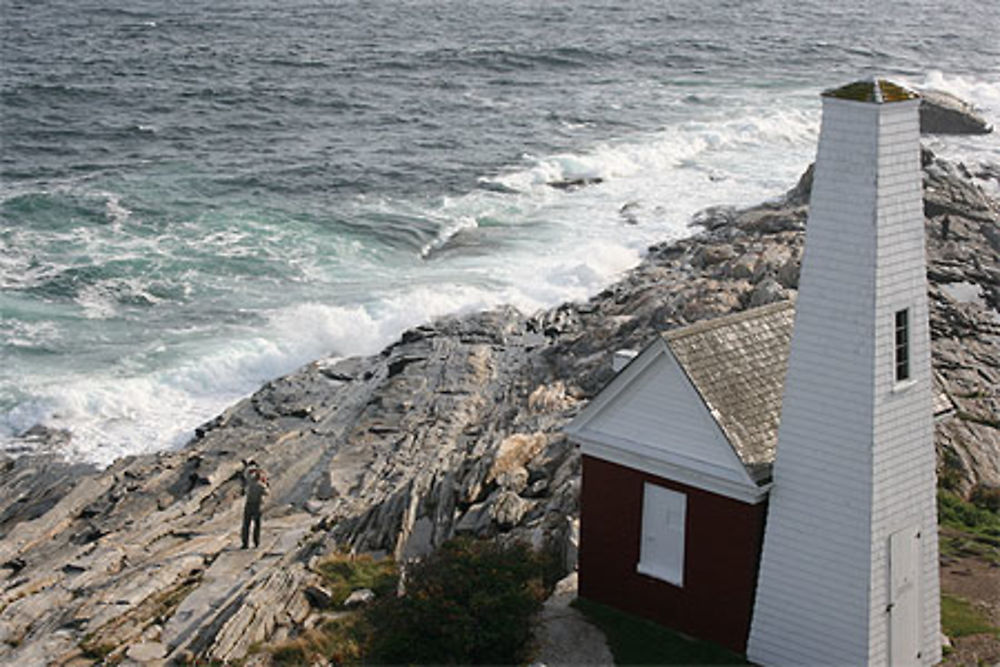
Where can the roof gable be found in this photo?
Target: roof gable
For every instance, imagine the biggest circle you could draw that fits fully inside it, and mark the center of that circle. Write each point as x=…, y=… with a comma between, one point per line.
x=705, y=398
x=651, y=417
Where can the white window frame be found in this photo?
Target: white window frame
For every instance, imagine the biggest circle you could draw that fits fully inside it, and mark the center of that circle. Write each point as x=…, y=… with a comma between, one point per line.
x=661, y=543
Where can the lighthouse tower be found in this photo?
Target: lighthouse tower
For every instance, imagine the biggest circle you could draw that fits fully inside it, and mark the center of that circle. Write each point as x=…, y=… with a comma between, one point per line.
x=848, y=572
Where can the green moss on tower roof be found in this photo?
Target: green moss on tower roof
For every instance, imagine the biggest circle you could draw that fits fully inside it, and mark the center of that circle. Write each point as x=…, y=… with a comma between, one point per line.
x=866, y=91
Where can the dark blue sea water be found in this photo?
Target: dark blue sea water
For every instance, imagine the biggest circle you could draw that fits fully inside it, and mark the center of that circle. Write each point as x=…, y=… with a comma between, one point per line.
x=198, y=196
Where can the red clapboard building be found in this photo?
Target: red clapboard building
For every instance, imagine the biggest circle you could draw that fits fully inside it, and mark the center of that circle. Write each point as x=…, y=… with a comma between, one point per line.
x=676, y=471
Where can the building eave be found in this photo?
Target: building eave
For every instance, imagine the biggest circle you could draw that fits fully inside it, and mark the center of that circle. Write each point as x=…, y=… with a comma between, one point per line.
x=668, y=465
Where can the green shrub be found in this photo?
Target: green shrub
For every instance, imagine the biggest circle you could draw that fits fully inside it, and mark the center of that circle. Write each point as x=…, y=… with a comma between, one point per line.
x=968, y=530
x=469, y=602
x=987, y=498
x=951, y=470
x=958, y=513
x=290, y=653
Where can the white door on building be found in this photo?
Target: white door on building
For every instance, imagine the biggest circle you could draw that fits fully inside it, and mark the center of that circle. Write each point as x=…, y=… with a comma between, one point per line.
x=661, y=549
x=904, y=597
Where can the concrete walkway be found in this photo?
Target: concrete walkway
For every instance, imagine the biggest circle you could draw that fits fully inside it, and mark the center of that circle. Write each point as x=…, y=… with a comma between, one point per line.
x=563, y=636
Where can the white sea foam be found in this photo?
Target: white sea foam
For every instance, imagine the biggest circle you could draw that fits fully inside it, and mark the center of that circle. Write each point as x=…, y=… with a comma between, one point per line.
x=29, y=335
x=112, y=416
x=654, y=157
x=229, y=243
x=980, y=93
x=102, y=299
x=15, y=265
x=96, y=303
x=445, y=233
x=117, y=214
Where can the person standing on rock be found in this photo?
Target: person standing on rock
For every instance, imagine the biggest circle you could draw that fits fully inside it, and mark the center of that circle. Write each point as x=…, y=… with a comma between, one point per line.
x=255, y=487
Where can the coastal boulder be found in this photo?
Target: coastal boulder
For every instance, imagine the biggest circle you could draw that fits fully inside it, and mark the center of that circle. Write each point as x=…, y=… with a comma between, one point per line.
x=767, y=291
x=943, y=113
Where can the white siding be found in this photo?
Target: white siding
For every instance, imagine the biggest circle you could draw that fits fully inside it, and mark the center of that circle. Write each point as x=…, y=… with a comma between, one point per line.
x=903, y=476
x=854, y=460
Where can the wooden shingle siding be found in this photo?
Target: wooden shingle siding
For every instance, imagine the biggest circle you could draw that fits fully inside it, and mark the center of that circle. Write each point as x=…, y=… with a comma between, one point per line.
x=903, y=466
x=855, y=459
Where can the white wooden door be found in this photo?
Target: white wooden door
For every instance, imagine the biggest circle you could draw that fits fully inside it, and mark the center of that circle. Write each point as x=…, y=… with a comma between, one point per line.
x=904, y=597
x=661, y=549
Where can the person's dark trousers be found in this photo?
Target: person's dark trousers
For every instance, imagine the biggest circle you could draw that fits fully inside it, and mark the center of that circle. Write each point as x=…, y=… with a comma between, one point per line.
x=251, y=513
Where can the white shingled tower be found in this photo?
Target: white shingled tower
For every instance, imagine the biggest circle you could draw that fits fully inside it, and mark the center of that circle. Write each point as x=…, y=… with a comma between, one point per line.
x=849, y=569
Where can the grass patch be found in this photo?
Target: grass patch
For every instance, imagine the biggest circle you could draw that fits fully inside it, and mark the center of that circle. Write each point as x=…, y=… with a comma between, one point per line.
x=964, y=515
x=967, y=529
x=986, y=497
x=952, y=469
x=959, y=618
x=343, y=574
x=339, y=641
x=637, y=641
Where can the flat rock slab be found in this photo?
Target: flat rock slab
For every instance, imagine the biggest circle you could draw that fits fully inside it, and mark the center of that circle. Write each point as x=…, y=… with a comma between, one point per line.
x=226, y=576
x=232, y=575
x=147, y=652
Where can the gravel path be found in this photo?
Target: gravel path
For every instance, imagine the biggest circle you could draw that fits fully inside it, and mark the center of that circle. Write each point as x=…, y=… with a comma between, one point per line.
x=564, y=636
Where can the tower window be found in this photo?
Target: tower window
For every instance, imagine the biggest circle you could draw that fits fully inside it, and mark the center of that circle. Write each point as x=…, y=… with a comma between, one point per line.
x=902, y=344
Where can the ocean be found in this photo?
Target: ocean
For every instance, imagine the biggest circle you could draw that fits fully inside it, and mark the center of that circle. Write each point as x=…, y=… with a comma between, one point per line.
x=197, y=197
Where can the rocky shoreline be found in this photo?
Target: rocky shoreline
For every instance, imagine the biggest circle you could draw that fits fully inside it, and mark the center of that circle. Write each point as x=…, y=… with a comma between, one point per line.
x=454, y=429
